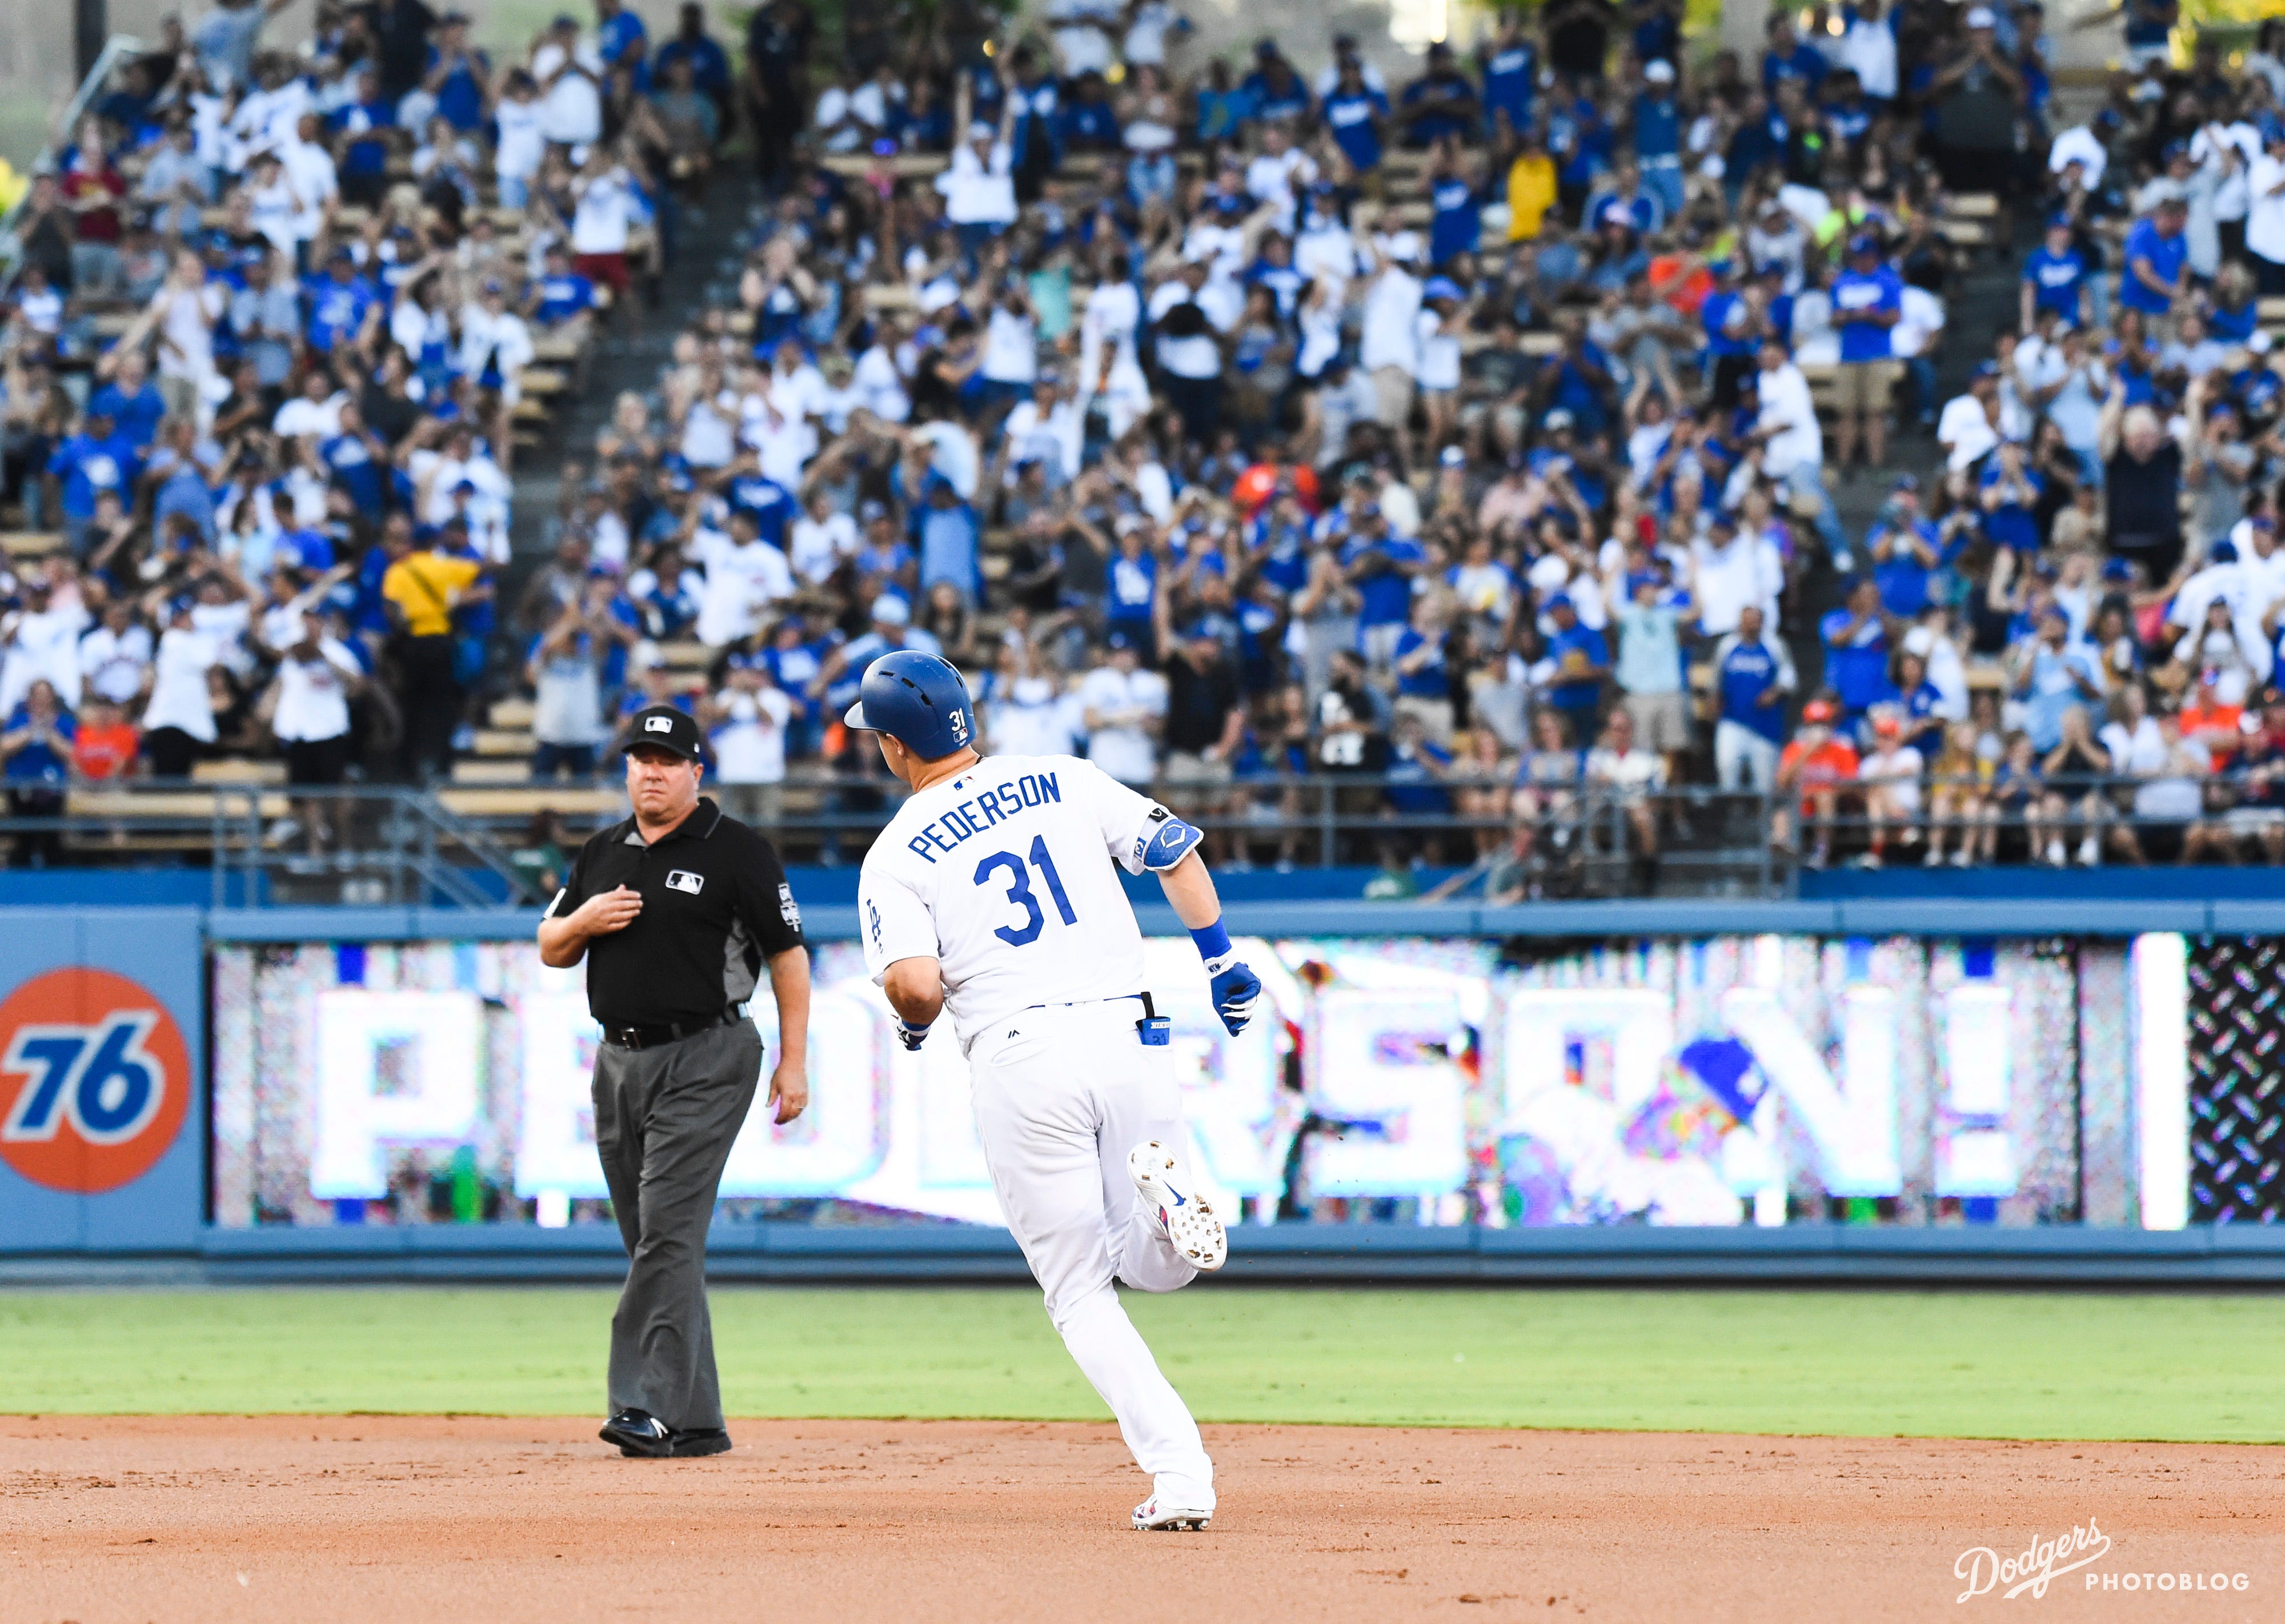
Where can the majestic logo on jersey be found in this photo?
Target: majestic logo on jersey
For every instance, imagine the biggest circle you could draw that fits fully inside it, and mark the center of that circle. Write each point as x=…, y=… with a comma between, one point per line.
x=683, y=880
x=789, y=910
x=94, y=1080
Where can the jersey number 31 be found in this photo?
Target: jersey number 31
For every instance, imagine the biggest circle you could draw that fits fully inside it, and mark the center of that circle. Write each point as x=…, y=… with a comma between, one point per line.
x=1019, y=891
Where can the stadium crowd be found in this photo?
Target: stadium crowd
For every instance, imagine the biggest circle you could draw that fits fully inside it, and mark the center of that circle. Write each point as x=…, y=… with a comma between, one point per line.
x=1455, y=439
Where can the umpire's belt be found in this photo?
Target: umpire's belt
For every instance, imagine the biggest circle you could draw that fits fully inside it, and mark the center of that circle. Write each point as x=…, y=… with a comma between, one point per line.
x=669, y=1031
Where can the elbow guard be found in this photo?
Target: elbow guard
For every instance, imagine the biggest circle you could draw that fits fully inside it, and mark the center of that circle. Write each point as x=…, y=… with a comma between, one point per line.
x=1169, y=842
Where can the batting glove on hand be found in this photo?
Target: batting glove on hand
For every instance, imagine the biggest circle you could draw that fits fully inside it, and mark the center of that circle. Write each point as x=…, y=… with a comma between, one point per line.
x=1236, y=988
x=911, y=1037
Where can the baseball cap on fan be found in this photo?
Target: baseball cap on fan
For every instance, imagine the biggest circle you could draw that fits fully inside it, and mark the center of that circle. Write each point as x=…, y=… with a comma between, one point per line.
x=664, y=727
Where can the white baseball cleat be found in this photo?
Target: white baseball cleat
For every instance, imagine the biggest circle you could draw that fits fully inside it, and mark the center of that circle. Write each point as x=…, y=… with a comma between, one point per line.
x=1156, y=1515
x=1187, y=1219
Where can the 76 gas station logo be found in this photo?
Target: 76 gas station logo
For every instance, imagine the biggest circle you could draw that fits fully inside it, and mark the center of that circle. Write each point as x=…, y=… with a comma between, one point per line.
x=95, y=1079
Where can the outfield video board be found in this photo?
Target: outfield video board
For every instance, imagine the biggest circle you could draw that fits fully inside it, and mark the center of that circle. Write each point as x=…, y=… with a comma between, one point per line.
x=1722, y=1080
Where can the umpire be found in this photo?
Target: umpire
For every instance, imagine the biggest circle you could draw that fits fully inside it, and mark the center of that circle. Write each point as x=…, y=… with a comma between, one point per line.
x=676, y=910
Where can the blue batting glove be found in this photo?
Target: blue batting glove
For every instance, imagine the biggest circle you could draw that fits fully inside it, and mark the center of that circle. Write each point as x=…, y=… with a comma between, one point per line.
x=911, y=1037
x=1235, y=986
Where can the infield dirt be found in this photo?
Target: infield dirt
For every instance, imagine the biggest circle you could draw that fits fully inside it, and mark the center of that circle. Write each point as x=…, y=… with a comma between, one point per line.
x=407, y=1517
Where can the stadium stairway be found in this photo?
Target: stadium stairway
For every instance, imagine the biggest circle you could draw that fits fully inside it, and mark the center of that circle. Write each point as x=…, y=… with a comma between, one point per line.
x=706, y=264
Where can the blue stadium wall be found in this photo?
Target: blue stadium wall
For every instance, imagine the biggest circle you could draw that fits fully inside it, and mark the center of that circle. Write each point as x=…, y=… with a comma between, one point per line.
x=108, y=1171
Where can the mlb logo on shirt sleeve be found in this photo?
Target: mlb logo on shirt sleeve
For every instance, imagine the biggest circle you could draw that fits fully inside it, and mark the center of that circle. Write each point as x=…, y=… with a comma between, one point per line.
x=683, y=880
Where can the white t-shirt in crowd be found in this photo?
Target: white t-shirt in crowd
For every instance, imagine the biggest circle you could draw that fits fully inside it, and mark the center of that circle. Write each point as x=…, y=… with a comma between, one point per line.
x=749, y=743
x=606, y=209
x=819, y=545
x=741, y=584
x=1898, y=770
x=1123, y=748
x=2265, y=213
x=313, y=697
x=1966, y=429
x=1390, y=305
x=178, y=691
x=1786, y=401
x=522, y=140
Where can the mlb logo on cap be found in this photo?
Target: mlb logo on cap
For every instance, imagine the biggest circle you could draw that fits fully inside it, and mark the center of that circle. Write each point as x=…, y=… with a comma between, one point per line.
x=664, y=728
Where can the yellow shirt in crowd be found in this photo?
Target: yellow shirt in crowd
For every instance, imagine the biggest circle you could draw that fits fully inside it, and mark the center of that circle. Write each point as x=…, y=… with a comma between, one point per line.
x=424, y=586
x=1530, y=194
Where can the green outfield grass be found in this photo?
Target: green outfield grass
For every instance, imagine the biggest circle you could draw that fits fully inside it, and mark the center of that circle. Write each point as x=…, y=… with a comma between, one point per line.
x=1927, y=1363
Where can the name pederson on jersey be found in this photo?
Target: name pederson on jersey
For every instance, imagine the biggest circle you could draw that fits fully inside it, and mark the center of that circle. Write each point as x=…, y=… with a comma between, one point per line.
x=1004, y=877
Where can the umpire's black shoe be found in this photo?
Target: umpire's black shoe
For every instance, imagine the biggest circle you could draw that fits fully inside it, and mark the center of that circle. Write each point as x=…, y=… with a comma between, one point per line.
x=702, y=1440
x=636, y=1432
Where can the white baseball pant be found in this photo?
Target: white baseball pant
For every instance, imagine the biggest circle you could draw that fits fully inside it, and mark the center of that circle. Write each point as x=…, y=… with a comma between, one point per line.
x=1061, y=1094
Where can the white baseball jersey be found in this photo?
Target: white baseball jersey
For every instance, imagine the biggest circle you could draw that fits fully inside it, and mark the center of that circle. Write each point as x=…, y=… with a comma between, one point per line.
x=1004, y=877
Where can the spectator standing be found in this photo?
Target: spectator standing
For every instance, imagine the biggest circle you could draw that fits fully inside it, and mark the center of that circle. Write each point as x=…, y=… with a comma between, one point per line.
x=747, y=723
x=1754, y=679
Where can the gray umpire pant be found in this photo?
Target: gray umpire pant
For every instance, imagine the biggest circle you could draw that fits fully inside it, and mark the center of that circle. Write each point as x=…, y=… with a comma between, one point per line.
x=665, y=1119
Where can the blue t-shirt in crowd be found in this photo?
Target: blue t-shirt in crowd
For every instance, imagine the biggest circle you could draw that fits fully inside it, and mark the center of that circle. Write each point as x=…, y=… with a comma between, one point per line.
x=2011, y=524
x=1747, y=671
x=1902, y=578
x=365, y=125
x=2166, y=254
x=337, y=309
x=710, y=64
x=771, y=504
x=1386, y=596
x=1658, y=127
x=1580, y=693
x=1458, y=221
x=2055, y=280
x=1349, y=116
x=136, y=416
x=1856, y=663
x=355, y=472
x=561, y=298
x=1133, y=588
x=88, y=467
x=1511, y=79
x=40, y=762
x=1414, y=788
x=1857, y=291
x=1433, y=679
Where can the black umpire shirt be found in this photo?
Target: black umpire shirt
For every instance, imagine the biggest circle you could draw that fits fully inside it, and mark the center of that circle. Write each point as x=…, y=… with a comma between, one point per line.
x=716, y=905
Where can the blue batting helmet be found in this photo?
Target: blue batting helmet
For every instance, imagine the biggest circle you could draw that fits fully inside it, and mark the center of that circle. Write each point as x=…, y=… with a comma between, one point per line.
x=919, y=701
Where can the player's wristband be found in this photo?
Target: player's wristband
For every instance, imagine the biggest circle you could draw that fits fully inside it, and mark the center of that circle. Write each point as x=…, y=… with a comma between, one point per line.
x=1212, y=941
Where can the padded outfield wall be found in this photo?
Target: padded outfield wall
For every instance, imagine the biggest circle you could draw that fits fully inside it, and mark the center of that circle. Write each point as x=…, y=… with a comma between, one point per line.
x=1614, y=1090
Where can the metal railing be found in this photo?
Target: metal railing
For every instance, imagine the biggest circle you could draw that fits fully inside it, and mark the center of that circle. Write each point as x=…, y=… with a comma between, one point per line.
x=378, y=844
x=397, y=846
x=2024, y=822
x=119, y=48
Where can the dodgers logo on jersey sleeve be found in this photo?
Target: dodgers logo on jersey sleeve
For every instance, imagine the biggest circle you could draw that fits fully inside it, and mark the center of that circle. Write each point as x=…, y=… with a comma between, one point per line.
x=94, y=1080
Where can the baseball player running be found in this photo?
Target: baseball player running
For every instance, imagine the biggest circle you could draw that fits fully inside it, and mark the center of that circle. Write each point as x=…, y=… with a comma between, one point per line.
x=990, y=895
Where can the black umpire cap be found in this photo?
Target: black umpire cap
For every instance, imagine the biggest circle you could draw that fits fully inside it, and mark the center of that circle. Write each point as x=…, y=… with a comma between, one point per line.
x=664, y=727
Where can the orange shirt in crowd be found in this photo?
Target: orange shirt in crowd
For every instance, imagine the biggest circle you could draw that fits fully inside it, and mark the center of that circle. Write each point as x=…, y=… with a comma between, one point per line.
x=1832, y=762
x=100, y=753
x=2216, y=726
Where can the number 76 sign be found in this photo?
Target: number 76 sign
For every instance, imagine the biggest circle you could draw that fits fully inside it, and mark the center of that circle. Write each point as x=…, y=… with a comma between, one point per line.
x=95, y=1079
